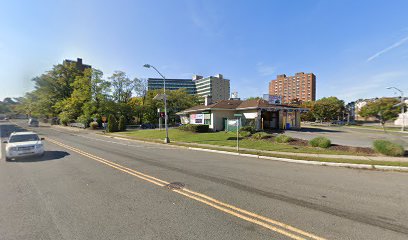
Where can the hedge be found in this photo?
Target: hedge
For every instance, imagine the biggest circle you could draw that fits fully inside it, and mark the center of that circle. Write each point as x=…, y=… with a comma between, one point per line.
x=112, y=124
x=283, y=138
x=261, y=135
x=244, y=134
x=322, y=142
x=388, y=148
x=199, y=128
x=250, y=129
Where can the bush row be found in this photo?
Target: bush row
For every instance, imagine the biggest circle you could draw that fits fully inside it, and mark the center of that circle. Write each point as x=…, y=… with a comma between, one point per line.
x=388, y=148
x=322, y=142
x=199, y=128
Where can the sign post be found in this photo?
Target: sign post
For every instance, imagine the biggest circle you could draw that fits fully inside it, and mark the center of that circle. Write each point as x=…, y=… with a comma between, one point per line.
x=238, y=120
x=104, y=122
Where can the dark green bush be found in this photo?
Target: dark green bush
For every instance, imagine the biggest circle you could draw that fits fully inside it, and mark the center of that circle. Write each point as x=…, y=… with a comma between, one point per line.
x=322, y=142
x=261, y=135
x=112, y=124
x=199, y=128
x=244, y=134
x=283, y=138
x=94, y=125
x=122, y=123
x=250, y=129
x=388, y=148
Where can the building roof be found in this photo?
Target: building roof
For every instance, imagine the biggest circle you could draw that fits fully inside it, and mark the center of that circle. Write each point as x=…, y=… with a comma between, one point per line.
x=235, y=105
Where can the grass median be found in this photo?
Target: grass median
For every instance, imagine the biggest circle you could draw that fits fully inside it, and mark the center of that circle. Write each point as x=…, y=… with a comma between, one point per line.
x=228, y=139
x=221, y=139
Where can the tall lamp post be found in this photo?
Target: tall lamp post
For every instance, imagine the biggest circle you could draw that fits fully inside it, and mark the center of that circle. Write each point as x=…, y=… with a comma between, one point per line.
x=402, y=106
x=166, y=140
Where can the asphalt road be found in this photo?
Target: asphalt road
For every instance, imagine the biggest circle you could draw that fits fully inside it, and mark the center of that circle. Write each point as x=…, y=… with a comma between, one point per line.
x=89, y=186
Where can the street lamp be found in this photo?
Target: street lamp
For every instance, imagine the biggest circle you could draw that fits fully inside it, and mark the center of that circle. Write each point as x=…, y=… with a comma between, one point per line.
x=402, y=106
x=166, y=140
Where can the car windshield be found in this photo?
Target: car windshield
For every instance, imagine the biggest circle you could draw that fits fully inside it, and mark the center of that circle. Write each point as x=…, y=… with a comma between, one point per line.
x=24, y=138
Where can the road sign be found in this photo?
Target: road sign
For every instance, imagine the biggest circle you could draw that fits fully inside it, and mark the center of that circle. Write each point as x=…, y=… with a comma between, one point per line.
x=238, y=115
x=162, y=114
x=103, y=118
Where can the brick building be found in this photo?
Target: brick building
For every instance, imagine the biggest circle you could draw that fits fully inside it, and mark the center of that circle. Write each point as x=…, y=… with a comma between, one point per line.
x=301, y=86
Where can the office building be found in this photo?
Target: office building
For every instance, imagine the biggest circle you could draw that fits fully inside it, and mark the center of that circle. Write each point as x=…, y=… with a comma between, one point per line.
x=302, y=86
x=215, y=86
x=172, y=84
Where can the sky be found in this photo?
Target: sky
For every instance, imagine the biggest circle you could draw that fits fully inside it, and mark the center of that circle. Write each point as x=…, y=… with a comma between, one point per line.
x=355, y=48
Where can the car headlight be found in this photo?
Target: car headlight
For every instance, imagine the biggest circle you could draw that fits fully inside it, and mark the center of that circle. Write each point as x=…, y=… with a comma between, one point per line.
x=39, y=146
x=12, y=149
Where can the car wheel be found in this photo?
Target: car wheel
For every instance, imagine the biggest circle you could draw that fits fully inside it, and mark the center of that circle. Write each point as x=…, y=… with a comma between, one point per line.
x=8, y=159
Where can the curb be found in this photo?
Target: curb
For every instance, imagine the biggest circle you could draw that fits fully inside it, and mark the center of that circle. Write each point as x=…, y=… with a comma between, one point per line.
x=317, y=163
x=332, y=164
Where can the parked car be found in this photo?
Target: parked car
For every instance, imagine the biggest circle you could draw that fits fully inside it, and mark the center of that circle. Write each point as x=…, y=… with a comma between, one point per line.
x=23, y=144
x=148, y=126
x=32, y=122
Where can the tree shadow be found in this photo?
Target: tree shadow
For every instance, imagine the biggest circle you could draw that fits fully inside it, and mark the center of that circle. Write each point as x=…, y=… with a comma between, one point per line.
x=313, y=130
x=7, y=129
x=48, y=155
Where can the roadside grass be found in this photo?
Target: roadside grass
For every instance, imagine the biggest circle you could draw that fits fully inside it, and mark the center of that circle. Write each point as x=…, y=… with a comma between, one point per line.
x=277, y=155
x=229, y=139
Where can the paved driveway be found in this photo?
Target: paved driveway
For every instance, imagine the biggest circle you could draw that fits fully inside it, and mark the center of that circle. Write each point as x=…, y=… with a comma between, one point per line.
x=349, y=136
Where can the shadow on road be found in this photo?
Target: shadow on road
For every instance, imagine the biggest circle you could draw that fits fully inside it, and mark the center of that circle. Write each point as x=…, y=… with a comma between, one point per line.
x=48, y=155
x=7, y=129
x=317, y=130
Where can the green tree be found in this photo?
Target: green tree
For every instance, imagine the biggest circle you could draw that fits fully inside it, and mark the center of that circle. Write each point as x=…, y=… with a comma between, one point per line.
x=122, y=123
x=328, y=108
x=308, y=116
x=112, y=124
x=122, y=86
x=383, y=109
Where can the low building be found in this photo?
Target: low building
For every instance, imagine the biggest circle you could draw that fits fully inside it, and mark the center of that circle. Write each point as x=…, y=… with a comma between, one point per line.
x=256, y=112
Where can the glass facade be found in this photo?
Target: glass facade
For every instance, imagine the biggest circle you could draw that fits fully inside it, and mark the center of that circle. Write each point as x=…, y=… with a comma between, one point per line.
x=172, y=84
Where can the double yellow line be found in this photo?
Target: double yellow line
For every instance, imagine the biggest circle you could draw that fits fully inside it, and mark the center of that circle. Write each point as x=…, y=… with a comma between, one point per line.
x=265, y=222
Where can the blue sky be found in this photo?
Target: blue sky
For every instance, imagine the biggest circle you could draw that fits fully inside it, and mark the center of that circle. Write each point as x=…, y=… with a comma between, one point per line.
x=355, y=48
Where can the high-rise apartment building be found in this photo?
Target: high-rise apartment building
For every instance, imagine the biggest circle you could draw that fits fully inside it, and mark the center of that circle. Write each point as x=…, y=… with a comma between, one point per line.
x=172, y=84
x=78, y=63
x=215, y=86
x=302, y=86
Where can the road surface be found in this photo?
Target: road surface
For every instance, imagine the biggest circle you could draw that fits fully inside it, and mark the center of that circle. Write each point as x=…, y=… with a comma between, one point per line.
x=89, y=186
x=348, y=136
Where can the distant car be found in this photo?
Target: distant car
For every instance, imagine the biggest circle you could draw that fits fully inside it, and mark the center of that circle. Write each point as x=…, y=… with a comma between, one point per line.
x=32, y=122
x=24, y=144
x=147, y=126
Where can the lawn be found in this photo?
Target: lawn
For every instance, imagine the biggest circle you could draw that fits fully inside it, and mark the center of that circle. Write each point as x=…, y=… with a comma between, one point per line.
x=228, y=139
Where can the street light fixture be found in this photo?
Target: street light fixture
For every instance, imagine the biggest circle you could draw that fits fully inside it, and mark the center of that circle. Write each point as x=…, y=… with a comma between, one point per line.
x=166, y=140
x=402, y=106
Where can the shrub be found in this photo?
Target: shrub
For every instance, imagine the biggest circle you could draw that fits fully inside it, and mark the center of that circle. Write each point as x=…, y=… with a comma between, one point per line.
x=250, y=129
x=322, y=142
x=122, y=123
x=261, y=135
x=84, y=120
x=199, y=128
x=244, y=134
x=283, y=138
x=112, y=124
x=388, y=148
x=94, y=125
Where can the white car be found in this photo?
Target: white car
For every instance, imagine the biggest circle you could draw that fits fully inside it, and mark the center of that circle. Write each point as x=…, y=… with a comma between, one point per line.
x=23, y=144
